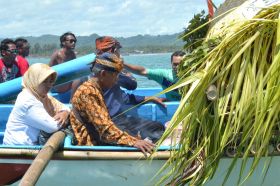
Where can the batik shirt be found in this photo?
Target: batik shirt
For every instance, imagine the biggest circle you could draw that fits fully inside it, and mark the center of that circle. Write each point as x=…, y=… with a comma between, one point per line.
x=94, y=121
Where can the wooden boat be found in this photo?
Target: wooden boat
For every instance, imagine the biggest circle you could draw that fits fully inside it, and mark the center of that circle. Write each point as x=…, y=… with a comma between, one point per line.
x=111, y=165
x=107, y=165
x=96, y=164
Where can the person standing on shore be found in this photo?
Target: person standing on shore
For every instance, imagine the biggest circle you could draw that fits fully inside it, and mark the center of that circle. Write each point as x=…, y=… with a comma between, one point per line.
x=66, y=53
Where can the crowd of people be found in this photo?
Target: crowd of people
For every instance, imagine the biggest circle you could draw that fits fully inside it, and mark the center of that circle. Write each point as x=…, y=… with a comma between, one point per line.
x=98, y=101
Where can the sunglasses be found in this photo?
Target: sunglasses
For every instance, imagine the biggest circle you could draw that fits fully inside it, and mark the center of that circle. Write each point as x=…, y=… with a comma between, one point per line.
x=71, y=40
x=13, y=51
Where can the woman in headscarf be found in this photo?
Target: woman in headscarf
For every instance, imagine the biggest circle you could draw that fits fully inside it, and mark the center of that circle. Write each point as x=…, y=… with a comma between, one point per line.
x=35, y=110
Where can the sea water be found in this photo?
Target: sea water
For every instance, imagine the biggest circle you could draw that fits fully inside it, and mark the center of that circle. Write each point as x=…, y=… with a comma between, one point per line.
x=152, y=61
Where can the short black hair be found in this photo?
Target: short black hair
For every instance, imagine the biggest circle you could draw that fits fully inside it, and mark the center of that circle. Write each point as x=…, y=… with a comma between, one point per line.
x=63, y=37
x=20, y=42
x=178, y=53
x=4, y=44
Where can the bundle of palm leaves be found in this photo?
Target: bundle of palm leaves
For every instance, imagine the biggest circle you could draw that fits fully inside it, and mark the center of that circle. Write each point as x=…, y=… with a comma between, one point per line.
x=245, y=69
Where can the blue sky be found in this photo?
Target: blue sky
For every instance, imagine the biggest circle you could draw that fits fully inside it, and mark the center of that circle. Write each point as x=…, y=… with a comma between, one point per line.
x=104, y=17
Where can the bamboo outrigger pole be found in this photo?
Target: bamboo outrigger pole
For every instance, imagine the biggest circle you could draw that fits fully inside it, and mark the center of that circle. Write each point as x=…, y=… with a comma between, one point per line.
x=42, y=159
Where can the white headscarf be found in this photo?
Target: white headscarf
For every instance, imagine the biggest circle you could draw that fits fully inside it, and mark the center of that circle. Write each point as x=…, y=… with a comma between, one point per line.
x=33, y=77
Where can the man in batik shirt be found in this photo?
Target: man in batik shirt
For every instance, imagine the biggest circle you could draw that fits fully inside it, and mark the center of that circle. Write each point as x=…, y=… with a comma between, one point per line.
x=90, y=118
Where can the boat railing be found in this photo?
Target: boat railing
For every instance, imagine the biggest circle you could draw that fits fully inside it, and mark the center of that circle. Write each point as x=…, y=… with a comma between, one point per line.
x=68, y=145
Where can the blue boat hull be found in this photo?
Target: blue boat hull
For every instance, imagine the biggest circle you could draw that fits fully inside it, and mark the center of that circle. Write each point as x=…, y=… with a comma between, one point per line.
x=108, y=165
x=66, y=72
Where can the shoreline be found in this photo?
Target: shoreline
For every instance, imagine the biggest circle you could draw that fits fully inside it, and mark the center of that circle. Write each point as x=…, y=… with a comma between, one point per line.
x=128, y=54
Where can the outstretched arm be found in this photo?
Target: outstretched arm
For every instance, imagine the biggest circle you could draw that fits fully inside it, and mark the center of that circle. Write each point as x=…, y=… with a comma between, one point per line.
x=136, y=69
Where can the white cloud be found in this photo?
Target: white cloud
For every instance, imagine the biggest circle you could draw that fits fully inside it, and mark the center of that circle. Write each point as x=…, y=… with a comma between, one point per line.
x=47, y=2
x=96, y=10
x=106, y=17
x=125, y=4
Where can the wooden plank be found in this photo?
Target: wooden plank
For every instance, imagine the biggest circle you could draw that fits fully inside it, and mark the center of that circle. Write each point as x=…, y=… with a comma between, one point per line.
x=42, y=159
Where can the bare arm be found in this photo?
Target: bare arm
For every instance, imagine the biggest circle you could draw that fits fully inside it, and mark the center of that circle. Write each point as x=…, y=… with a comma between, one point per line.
x=53, y=60
x=136, y=69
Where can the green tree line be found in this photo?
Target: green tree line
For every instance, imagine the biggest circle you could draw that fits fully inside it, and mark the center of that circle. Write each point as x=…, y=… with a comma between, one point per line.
x=46, y=50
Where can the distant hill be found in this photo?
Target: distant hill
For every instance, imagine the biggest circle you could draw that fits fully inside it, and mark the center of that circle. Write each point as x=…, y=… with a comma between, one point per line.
x=44, y=45
x=139, y=40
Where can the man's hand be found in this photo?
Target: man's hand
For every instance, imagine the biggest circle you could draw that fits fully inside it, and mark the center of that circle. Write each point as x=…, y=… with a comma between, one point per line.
x=62, y=117
x=144, y=146
x=156, y=100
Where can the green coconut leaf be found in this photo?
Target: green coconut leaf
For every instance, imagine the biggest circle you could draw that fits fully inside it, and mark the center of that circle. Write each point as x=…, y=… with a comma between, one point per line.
x=244, y=67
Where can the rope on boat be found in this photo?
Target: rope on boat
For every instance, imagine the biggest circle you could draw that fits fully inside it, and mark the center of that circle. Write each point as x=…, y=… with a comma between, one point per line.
x=42, y=159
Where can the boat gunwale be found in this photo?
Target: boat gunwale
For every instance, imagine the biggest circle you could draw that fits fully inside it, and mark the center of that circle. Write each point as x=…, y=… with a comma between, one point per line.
x=8, y=153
